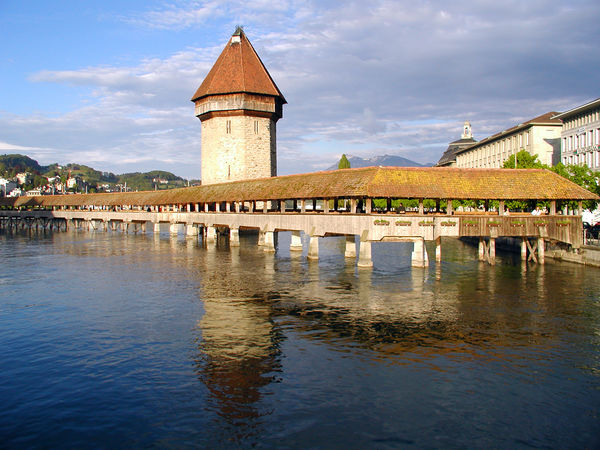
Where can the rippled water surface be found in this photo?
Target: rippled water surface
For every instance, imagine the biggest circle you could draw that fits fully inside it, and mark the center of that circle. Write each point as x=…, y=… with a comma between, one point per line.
x=118, y=341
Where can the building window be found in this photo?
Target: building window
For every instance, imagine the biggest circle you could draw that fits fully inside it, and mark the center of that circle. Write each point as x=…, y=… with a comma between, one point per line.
x=228, y=126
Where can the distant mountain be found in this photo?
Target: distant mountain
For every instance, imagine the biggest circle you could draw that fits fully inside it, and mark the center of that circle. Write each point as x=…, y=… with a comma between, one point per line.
x=382, y=160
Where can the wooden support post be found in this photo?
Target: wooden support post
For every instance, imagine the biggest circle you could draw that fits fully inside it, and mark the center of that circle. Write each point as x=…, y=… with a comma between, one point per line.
x=532, y=252
x=553, y=207
x=482, y=249
x=227, y=206
x=326, y=205
x=579, y=208
x=353, y=205
x=541, y=249
x=303, y=206
x=265, y=207
x=368, y=205
x=421, y=208
x=206, y=207
x=449, y=210
x=492, y=251
x=501, y=208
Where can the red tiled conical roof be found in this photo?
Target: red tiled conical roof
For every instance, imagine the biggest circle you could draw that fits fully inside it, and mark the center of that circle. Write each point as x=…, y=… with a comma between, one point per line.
x=238, y=69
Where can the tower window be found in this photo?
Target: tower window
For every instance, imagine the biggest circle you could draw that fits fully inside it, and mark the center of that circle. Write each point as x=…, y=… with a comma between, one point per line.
x=228, y=127
x=256, y=127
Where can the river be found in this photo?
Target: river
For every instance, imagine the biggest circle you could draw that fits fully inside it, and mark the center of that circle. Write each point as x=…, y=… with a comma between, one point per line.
x=111, y=340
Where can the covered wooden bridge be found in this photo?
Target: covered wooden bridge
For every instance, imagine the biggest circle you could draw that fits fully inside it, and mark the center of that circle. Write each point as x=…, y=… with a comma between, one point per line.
x=374, y=203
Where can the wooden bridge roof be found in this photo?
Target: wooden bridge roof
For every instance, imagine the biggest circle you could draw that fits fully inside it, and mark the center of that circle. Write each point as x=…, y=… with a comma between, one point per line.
x=373, y=182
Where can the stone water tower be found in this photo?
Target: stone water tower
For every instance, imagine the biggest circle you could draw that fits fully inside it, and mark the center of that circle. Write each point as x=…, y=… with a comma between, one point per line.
x=239, y=105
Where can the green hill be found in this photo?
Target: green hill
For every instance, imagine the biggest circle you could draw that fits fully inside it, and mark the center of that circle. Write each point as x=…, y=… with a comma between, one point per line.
x=151, y=180
x=10, y=165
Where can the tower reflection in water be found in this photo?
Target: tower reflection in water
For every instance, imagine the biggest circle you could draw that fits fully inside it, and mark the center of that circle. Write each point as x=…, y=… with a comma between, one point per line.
x=238, y=340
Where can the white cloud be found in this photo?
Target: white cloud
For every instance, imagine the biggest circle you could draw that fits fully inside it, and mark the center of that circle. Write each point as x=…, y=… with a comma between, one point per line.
x=392, y=77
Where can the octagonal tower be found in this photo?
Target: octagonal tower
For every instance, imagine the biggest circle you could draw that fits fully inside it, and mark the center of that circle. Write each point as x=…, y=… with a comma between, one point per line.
x=238, y=104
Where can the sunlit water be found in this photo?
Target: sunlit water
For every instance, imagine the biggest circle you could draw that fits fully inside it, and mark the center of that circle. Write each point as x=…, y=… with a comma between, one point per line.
x=118, y=341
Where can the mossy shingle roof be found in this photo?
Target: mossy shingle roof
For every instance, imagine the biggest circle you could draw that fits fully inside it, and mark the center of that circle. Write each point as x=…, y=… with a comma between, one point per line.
x=373, y=182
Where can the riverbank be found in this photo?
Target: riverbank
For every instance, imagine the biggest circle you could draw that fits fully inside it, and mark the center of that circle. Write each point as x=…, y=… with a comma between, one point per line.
x=588, y=255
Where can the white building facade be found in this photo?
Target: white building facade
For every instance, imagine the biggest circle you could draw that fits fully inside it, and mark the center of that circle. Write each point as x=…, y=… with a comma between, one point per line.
x=539, y=136
x=6, y=186
x=580, y=135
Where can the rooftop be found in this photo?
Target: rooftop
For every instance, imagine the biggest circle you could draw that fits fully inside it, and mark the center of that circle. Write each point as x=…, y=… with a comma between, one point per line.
x=579, y=109
x=548, y=118
x=238, y=70
x=368, y=182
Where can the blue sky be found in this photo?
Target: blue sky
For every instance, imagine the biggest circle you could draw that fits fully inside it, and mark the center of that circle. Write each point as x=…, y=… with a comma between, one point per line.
x=108, y=83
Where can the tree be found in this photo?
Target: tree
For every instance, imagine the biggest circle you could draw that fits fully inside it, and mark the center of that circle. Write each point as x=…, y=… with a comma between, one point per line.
x=344, y=163
x=581, y=175
x=525, y=160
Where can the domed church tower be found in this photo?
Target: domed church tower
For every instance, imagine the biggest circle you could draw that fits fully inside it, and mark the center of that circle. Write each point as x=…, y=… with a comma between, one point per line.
x=239, y=105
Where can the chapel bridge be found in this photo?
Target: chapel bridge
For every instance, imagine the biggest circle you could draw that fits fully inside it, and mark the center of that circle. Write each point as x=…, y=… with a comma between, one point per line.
x=333, y=203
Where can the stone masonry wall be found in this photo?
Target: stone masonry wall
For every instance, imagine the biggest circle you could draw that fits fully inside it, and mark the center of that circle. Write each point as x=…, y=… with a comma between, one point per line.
x=238, y=148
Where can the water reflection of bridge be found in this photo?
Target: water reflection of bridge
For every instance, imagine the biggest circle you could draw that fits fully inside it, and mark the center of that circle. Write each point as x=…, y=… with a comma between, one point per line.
x=262, y=304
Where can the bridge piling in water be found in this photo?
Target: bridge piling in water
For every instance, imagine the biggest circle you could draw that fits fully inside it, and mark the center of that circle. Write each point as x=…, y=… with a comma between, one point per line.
x=350, y=251
x=419, y=257
x=313, y=248
x=296, y=241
